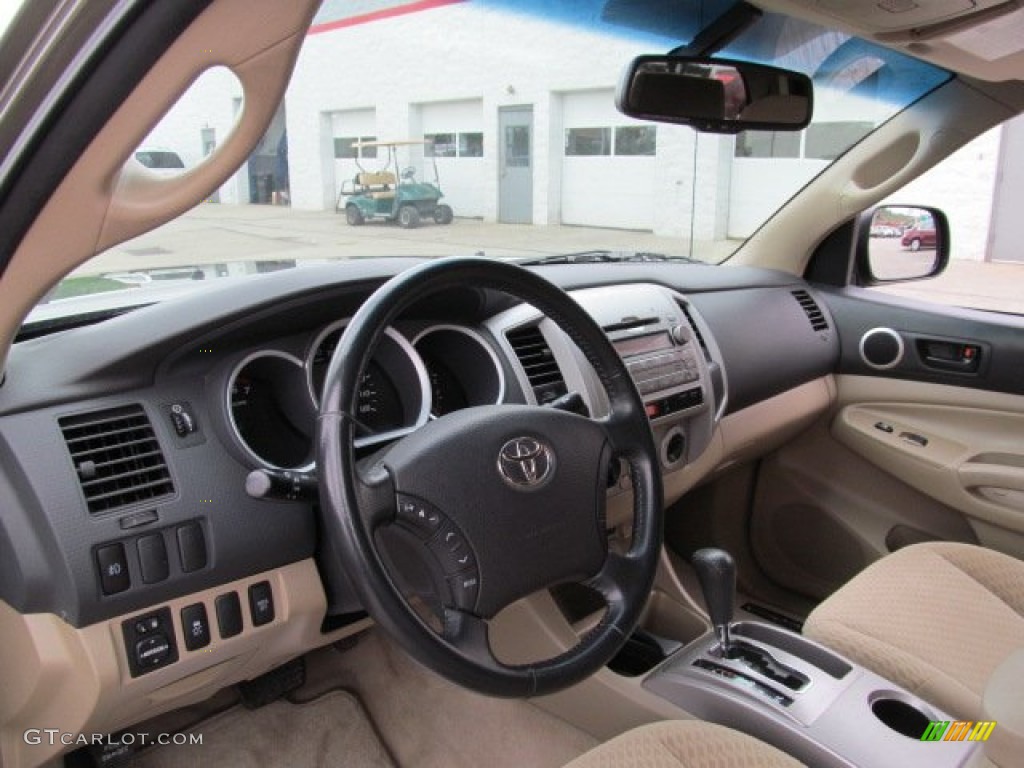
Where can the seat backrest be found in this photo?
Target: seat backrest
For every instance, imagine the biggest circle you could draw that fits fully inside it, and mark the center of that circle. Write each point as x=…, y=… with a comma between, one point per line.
x=375, y=179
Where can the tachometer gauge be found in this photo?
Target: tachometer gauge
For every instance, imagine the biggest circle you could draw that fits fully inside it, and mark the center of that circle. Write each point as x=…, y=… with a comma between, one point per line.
x=392, y=389
x=272, y=423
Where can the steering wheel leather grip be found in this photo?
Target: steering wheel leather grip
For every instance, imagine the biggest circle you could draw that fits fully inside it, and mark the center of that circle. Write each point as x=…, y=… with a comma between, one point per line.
x=506, y=499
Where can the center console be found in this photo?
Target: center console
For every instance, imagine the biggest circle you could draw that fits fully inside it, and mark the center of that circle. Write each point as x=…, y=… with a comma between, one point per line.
x=796, y=694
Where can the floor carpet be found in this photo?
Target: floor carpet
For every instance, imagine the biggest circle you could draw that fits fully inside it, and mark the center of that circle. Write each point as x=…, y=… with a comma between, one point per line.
x=330, y=730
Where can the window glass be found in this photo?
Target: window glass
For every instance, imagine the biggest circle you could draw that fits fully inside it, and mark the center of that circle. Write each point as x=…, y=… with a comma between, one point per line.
x=345, y=147
x=439, y=145
x=588, y=141
x=471, y=145
x=636, y=140
x=768, y=144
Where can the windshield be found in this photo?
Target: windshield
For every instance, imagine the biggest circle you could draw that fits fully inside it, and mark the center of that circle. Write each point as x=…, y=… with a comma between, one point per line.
x=488, y=127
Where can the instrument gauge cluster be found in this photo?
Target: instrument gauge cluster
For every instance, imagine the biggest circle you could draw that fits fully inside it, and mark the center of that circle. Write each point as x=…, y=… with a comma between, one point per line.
x=272, y=394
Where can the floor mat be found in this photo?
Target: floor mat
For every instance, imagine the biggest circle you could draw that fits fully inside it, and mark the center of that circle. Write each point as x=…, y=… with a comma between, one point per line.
x=332, y=730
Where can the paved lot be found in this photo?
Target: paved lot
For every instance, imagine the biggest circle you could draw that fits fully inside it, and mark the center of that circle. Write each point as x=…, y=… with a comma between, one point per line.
x=240, y=235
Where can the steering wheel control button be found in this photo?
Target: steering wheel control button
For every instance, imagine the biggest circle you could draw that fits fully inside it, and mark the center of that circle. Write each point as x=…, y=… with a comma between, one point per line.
x=149, y=642
x=526, y=463
x=420, y=516
x=452, y=550
x=229, y=615
x=261, y=603
x=465, y=588
x=153, y=558
x=195, y=626
x=191, y=547
x=113, y=569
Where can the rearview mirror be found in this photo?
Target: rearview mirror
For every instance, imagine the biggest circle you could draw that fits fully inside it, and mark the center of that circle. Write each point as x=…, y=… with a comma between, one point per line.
x=902, y=242
x=715, y=96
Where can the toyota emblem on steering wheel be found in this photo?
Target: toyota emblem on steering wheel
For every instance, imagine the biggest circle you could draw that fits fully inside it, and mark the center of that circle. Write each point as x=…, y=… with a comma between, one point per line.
x=525, y=462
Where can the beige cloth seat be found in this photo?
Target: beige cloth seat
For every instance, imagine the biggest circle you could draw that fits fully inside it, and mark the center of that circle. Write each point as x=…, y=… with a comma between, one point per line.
x=936, y=618
x=684, y=744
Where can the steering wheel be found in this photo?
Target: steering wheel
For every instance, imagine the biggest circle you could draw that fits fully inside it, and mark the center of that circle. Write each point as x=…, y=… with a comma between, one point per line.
x=504, y=499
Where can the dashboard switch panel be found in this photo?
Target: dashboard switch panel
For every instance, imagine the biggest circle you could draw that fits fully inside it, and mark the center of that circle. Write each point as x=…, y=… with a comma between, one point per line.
x=153, y=558
x=261, y=603
x=229, y=615
x=149, y=642
x=113, y=568
x=195, y=626
x=191, y=547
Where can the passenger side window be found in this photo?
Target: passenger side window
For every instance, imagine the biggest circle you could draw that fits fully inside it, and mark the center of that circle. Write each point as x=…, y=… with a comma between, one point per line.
x=981, y=189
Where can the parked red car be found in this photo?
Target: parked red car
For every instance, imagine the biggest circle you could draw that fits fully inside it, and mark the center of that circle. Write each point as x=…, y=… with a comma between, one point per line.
x=916, y=239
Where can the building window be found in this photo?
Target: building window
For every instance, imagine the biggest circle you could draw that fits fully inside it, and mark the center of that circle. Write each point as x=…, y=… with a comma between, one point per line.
x=471, y=144
x=345, y=148
x=827, y=141
x=768, y=144
x=439, y=145
x=587, y=142
x=636, y=140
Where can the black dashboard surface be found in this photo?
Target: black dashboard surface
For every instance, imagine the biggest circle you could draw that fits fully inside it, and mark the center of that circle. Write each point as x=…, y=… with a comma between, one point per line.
x=182, y=355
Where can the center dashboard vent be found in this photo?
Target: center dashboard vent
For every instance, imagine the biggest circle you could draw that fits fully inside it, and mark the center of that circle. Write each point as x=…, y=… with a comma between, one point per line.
x=117, y=458
x=811, y=309
x=538, y=362
x=688, y=314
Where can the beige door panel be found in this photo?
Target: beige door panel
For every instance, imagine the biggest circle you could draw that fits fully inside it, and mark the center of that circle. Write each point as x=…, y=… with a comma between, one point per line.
x=966, y=457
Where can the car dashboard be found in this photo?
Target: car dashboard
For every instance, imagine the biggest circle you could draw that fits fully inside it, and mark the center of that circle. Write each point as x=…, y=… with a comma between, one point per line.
x=157, y=540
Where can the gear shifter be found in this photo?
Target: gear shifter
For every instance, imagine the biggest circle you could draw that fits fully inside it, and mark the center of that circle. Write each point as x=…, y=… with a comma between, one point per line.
x=716, y=571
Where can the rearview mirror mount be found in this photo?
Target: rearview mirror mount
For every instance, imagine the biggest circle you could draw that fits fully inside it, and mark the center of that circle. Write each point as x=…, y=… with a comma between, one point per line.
x=715, y=95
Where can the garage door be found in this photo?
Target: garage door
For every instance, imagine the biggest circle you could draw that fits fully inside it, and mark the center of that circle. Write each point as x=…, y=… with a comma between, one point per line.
x=348, y=127
x=608, y=164
x=455, y=130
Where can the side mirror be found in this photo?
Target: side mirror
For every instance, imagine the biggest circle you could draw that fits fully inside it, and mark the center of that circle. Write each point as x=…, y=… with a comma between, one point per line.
x=715, y=95
x=897, y=243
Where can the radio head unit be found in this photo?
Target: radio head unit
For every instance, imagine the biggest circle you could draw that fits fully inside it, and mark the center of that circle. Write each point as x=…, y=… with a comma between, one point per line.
x=663, y=362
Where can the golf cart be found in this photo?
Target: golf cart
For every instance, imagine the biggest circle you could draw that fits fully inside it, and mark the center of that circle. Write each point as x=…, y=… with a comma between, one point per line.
x=389, y=194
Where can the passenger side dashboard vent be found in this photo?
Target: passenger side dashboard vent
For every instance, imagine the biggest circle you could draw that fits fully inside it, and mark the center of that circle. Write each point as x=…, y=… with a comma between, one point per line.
x=117, y=458
x=538, y=362
x=811, y=309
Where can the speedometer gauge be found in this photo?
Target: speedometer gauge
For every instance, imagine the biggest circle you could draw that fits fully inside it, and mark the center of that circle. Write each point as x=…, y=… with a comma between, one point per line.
x=378, y=407
x=393, y=388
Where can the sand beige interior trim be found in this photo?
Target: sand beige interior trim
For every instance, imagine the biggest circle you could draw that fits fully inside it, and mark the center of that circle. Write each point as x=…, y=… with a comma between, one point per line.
x=78, y=680
x=969, y=458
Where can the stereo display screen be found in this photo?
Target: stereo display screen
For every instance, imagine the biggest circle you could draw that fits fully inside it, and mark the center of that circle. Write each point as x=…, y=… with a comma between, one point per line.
x=639, y=345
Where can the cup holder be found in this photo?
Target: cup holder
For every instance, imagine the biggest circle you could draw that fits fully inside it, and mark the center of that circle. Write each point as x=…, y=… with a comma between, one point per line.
x=901, y=713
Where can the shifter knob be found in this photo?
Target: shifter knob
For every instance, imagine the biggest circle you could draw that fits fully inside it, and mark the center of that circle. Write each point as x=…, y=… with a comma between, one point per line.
x=716, y=571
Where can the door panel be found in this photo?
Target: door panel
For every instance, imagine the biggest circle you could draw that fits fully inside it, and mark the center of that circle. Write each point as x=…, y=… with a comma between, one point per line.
x=925, y=443
x=515, y=188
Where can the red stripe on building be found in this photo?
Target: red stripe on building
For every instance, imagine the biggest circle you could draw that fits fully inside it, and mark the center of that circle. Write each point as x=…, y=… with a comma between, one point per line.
x=387, y=13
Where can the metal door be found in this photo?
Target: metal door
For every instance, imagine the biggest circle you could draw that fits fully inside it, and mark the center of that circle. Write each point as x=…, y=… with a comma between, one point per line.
x=515, y=165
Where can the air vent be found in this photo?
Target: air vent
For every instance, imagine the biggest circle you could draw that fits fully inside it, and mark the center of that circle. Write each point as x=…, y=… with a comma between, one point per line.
x=811, y=308
x=696, y=330
x=117, y=458
x=539, y=364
